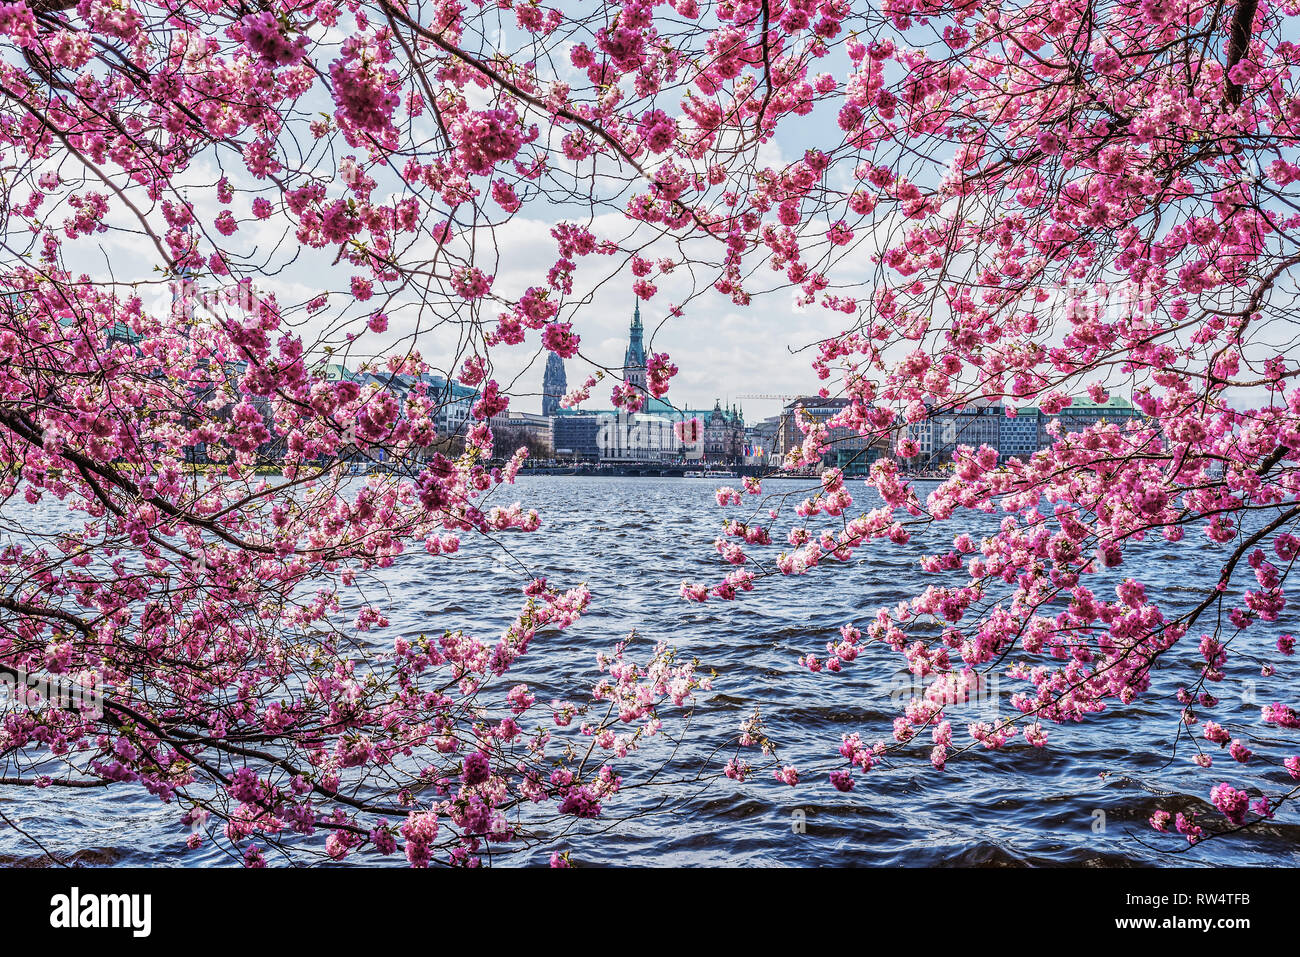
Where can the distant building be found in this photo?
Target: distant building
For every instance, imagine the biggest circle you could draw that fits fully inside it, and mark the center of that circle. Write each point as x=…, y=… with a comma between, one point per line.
x=576, y=436
x=453, y=400
x=1020, y=435
x=847, y=448
x=762, y=440
x=658, y=432
x=512, y=428
x=973, y=426
x=922, y=433
x=1014, y=436
x=939, y=434
x=1081, y=413
x=336, y=372
x=638, y=438
x=554, y=384
x=724, y=435
x=815, y=406
x=634, y=361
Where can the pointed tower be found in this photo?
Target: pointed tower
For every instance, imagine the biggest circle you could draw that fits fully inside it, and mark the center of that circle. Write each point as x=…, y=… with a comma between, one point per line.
x=554, y=384
x=634, y=369
x=183, y=291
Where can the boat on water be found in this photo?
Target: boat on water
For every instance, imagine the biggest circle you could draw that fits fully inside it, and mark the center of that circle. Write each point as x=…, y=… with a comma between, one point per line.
x=692, y=474
x=720, y=473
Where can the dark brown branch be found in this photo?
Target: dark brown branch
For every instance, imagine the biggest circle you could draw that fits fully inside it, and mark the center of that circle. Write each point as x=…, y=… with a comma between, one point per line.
x=1238, y=42
x=40, y=7
x=36, y=611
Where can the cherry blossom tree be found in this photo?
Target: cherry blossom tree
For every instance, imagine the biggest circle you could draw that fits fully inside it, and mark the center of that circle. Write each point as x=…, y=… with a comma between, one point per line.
x=1004, y=203
x=1064, y=199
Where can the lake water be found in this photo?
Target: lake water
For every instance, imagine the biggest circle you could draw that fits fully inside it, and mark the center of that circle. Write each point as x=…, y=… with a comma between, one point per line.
x=1084, y=800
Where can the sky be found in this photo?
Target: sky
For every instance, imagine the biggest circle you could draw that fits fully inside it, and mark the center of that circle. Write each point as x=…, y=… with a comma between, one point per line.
x=723, y=351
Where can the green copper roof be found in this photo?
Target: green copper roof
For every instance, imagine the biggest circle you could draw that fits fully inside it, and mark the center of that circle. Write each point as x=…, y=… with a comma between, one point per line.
x=635, y=355
x=652, y=407
x=1084, y=403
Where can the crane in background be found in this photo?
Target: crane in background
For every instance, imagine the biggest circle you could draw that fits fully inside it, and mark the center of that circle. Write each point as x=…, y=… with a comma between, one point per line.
x=783, y=399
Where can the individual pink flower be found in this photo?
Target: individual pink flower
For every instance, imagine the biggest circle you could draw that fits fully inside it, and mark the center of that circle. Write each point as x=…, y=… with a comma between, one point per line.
x=1230, y=801
x=840, y=234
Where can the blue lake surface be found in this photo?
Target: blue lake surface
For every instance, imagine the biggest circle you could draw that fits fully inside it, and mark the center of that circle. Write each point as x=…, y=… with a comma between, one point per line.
x=1084, y=800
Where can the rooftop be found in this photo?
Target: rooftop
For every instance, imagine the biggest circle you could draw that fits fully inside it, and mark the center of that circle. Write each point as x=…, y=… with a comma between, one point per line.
x=1113, y=402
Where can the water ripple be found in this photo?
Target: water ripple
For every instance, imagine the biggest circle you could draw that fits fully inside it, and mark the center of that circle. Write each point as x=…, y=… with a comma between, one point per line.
x=1083, y=801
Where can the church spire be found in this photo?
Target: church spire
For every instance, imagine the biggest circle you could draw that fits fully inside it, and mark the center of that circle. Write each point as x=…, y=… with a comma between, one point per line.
x=634, y=364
